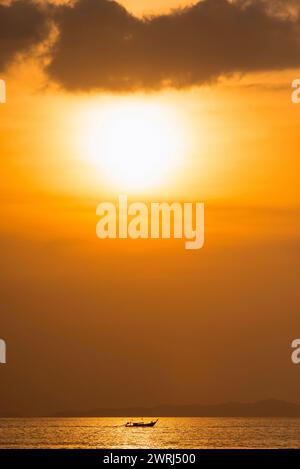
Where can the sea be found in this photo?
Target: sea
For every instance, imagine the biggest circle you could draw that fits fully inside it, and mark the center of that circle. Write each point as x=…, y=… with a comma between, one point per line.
x=169, y=433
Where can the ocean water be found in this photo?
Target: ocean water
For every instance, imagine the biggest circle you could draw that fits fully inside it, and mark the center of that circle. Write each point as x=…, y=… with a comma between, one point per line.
x=168, y=433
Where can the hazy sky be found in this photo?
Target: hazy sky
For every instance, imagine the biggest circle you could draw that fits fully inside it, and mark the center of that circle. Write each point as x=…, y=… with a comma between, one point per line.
x=85, y=319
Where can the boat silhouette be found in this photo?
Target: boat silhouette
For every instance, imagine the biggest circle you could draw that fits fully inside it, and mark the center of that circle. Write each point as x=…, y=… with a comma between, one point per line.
x=141, y=424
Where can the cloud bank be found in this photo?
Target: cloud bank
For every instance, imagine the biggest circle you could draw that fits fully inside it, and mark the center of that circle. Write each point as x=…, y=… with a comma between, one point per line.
x=22, y=25
x=102, y=46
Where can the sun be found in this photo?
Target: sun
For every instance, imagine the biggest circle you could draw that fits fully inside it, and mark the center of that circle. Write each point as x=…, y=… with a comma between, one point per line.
x=134, y=145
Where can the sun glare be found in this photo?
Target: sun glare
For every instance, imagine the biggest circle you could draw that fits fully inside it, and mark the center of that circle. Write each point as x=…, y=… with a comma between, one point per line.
x=133, y=145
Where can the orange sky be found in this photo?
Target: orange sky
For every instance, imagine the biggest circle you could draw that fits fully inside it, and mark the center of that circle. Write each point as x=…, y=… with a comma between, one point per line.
x=153, y=6
x=240, y=145
x=233, y=307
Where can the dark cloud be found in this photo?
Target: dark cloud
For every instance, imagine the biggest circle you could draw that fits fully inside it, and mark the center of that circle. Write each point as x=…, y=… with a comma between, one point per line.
x=102, y=46
x=22, y=25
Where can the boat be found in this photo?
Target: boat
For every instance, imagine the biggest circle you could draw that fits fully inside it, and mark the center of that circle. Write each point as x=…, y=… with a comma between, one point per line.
x=141, y=424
